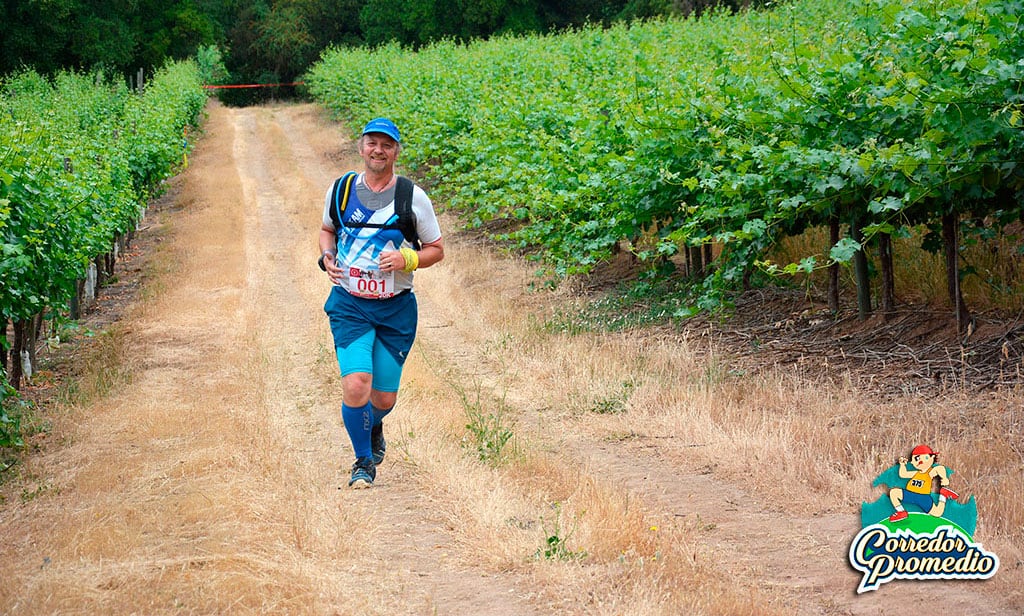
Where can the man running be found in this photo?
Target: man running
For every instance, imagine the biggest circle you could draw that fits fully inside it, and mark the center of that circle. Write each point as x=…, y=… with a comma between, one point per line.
x=371, y=241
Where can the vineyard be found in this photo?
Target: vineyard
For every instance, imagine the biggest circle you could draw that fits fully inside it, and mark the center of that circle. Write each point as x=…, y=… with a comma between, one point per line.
x=192, y=457
x=80, y=156
x=700, y=145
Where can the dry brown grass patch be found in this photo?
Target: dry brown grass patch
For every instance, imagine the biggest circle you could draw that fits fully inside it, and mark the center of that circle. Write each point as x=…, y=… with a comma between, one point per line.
x=920, y=277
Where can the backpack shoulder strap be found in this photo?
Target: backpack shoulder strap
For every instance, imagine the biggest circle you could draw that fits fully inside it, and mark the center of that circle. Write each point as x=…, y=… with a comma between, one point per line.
x=339, y=197
x=403, y=208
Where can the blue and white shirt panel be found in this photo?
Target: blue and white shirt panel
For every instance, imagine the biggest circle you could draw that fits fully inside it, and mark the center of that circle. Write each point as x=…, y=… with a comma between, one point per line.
x=359, y=248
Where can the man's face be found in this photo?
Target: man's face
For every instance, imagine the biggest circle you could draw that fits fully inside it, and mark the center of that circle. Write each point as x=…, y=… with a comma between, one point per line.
x=378, y=151
x=922, y=461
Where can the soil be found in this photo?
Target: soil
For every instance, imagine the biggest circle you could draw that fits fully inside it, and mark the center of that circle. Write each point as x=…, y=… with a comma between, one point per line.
x=916, y=349
x=149, y=505
x=913, y=350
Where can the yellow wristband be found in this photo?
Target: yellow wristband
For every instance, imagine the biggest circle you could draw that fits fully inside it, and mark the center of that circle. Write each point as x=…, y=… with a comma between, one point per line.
x=412, y=259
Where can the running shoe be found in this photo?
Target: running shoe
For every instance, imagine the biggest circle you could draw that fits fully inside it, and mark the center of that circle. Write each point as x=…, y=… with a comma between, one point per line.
x=363, y=473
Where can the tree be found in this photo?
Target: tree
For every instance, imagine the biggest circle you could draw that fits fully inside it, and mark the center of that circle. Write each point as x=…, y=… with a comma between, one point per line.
x=120, y=35
x=333, y=22
x=36, y=35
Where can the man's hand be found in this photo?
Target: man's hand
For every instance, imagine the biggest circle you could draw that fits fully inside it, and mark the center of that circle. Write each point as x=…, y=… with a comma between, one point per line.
x=392, y=261
x=331, y=267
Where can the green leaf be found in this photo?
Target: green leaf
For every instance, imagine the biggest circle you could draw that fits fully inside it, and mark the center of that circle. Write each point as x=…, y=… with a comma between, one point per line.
x=890, y=204
x=865, y=161
x=844, y=250
x=754, y=228
x=872, y=230
x=908, y=165
x=832, y=182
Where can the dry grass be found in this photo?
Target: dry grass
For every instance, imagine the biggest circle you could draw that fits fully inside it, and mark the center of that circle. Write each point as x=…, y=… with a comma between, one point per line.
x=997, y=281
x=817, y=445
x=604, y=551
x=588, y=546
x=176, y=493
x=204, y=478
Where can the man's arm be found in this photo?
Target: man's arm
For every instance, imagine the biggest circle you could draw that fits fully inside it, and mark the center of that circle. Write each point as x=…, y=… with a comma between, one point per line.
x=904, y=473
x=431, y=253
x=327, y=240
x=329, y=251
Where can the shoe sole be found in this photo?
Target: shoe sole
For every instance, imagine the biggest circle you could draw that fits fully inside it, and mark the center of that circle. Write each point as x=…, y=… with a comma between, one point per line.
x=360, y=484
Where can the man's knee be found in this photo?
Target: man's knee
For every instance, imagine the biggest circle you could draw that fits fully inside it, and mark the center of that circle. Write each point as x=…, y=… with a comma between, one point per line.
x=383, y=399
x=357, y=388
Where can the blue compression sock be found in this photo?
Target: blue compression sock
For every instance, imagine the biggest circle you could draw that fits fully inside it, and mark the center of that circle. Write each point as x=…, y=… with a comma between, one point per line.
x=358, y=422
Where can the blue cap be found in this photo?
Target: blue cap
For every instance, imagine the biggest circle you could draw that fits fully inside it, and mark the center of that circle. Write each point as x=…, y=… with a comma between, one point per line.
x=383, y=125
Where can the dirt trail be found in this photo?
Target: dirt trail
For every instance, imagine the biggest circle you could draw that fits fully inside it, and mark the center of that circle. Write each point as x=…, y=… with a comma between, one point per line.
x=797, y=561
x=210, y=483
x=212, y=480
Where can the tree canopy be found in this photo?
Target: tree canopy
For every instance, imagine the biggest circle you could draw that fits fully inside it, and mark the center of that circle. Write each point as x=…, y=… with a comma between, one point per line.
x=276, y=40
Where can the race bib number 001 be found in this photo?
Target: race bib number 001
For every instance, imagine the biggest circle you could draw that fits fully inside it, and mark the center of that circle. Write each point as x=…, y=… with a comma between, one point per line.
x=372, y=284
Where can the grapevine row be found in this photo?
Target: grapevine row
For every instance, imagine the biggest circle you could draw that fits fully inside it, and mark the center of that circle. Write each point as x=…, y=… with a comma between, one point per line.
x=80, y=155
x=732, y=131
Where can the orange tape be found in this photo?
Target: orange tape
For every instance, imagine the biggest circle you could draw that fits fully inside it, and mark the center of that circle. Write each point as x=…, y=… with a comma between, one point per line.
x=257, y=85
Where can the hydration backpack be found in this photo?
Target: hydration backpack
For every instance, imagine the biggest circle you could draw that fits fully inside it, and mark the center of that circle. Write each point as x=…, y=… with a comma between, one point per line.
x=403, y=207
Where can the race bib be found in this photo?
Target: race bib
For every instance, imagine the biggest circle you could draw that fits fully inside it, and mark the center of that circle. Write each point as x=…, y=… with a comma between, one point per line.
x=371, y=283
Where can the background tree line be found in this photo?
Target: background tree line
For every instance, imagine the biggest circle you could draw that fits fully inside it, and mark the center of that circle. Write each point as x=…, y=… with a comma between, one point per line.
x=276, y=40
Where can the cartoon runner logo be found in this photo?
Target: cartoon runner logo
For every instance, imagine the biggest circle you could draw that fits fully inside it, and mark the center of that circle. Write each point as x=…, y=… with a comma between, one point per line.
x=919, y=530
x=918, y=491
